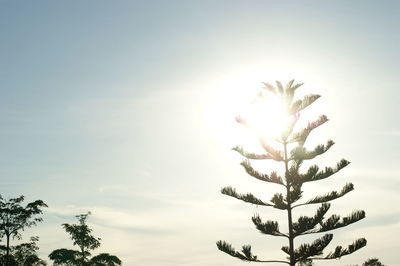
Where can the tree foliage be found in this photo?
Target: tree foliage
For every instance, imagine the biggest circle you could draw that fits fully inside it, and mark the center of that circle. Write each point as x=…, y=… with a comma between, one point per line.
x=105, y=259
x=373, y=262
x=292, y=154
x=81, y=235
x=65, y=257
x=14, y=218
x=24, y=254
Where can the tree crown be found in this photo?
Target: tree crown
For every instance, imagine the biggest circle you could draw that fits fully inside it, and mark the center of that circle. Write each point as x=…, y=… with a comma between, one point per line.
x=81, y=234
x=14, y=217
x=292, y=155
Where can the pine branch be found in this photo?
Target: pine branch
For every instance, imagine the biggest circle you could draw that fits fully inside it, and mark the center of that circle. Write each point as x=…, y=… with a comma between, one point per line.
x=272, y=178
x=250, y=198
x=301, y=136
x=252, y=156
x=295, y=87
x=329, y=196
x=300, y=153
x=299, y=105
x=277, y=199
x=288, y=88
x=279, y=86
x=289, y=91
x=270, y=88
x=267, y=227
x=289, y=129
x=271, y=153
x=340, y=251
x=313, y=173
x=305, y=251
x=292, y=176
x=279, y=202
x=245, y=254
x=275, y=154
x=334, y=222
x=294, y=194
x=305, y=223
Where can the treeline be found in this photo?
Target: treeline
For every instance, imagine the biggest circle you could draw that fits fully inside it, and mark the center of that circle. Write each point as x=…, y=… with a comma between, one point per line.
x=15, y=217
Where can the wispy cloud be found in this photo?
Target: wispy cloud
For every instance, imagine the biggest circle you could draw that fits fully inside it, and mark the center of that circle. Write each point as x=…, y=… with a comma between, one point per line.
x=107, y=188
x=392, y=133
x=112, y=218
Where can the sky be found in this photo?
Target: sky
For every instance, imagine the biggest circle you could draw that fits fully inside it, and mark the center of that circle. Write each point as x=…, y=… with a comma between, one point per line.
x=127, y=109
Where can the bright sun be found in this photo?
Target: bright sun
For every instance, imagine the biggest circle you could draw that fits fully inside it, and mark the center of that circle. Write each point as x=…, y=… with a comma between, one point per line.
x=267, y=116
x=263, y=112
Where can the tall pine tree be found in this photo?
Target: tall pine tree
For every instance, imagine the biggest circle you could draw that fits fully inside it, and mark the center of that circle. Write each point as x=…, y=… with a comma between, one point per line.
x=292, y=153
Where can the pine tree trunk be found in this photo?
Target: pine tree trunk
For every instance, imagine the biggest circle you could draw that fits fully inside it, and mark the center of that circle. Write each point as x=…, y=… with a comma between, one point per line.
x=291, y=239
x=289, y=209
x=8, y=250
x=83, y=263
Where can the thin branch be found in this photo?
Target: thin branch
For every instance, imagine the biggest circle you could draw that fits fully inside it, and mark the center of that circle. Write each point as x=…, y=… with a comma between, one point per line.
x=278, y=261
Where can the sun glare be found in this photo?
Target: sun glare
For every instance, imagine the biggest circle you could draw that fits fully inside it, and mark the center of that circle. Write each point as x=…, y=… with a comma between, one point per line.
x=239, y=97
x=266, y=116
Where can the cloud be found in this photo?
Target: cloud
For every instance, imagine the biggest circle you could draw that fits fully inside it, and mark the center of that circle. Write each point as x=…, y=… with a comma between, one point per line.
x=124, y=188
x=111, y=218
x=383, y=220
x=392, y=133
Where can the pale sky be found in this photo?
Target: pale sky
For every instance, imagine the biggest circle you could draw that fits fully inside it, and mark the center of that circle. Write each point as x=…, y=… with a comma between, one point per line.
x=127, y=109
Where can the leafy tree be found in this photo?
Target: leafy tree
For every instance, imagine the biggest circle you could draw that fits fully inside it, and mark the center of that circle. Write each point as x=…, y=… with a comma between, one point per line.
x=81, y=235
x=373, y=262
x=14, y=218
x=291, y=153
x=65, y=257
x=105, y=259
x=24, y=254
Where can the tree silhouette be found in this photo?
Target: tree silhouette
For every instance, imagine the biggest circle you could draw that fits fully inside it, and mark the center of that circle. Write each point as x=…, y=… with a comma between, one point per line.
x=14, y=218
x=105, y=259
x=291, y=153
x=65, y=257
x=81, y=235
x=373, y=262
x=24, y=254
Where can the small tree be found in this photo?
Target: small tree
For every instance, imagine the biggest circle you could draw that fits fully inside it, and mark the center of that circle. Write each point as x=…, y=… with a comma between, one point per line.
x=81, y=235
x=65, y=257
x=292, y=153
x=373, y=262
x=105, y=259
x=14, y=218
x=24, y=254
